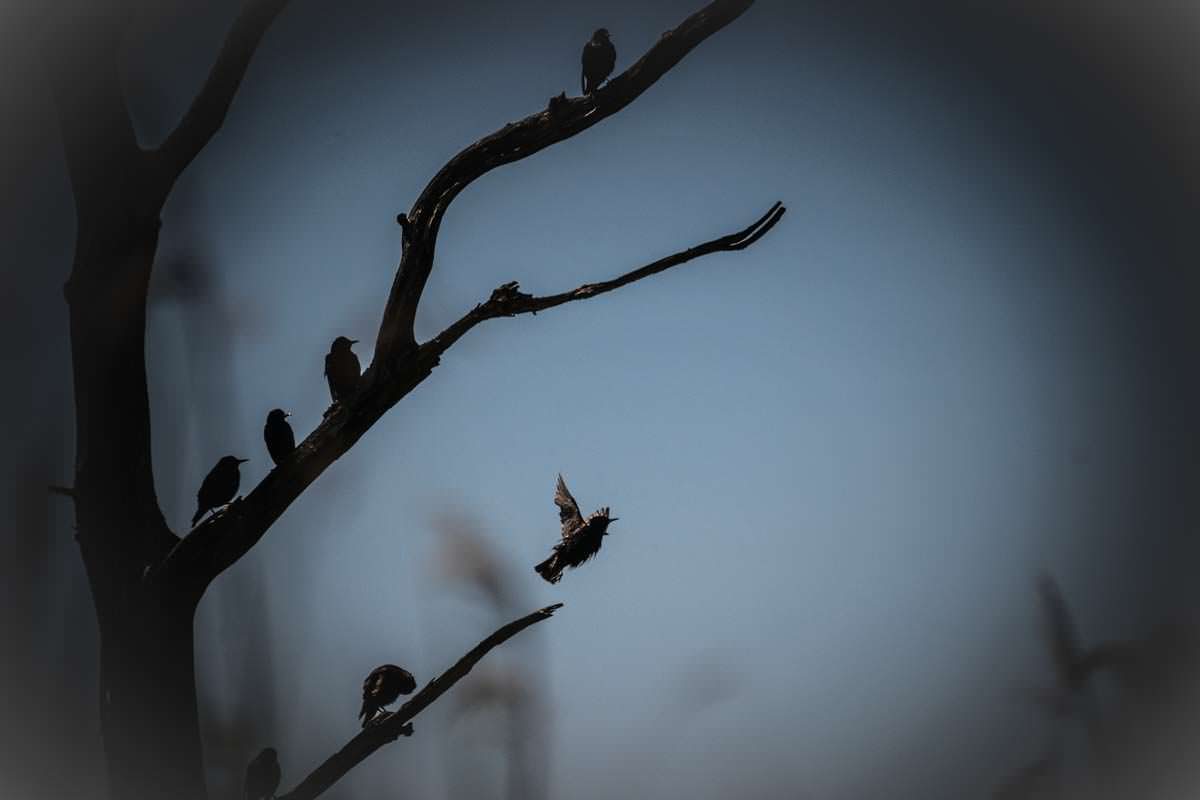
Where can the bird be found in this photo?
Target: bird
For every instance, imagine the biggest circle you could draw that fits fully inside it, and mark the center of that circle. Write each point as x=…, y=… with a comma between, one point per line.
x=581, y=539
x=262, y=776
x=382, y=687
x=342, y=368
x=278, y=435
x=599, y=58
x=1073, y=664
x=219, y=486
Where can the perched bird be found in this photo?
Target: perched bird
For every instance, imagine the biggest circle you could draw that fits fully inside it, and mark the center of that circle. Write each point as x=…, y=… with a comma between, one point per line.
x=382, y=687
x=342, y=368
x=219, y=486
x=581, y=539
x=599, y=58
x=278, y=435
x=262, y=775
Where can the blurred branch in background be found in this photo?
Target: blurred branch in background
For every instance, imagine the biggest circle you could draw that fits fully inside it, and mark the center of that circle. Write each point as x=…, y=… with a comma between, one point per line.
x=514, y=688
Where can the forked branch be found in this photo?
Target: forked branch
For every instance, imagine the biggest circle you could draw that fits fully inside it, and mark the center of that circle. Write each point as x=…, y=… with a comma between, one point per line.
x=207, y=112
x=396, y=724
x=519, y=140
x=509, y=301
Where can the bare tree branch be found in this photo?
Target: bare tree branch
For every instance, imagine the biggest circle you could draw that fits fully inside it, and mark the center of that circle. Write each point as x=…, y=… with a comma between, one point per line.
x=509, y=301
x=396, y=724
x=519, y=140
x=400, y=365
x=207, y=112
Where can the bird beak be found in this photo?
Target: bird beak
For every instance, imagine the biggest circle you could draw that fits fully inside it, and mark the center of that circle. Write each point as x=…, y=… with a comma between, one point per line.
x=287, y=413
x=242, y=460
x=354, y=341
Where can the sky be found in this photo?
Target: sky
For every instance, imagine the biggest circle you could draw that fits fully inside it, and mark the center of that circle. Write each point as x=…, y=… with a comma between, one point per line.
x=839, y=458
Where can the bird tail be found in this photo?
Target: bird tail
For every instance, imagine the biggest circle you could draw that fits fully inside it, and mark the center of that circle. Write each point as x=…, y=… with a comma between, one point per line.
x=196, y=517
x=549, y=570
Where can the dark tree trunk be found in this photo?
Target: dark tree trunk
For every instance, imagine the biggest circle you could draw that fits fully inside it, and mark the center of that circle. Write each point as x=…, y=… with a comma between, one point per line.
x=148, y=711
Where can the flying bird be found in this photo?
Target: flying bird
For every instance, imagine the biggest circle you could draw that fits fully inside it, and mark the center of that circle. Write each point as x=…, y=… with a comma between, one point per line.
x=382, y=687
x=219, y=486
x=599, y=58
x=1074, y=664
x=581, y=539
x=342, y=368
x=278, y=435
x=262, y=776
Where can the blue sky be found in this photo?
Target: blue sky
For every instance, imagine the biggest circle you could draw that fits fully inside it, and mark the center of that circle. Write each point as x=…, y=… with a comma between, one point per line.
x=838, y=458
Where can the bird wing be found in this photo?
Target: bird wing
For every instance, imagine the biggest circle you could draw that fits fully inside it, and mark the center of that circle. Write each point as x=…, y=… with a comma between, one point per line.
x=371, y=682
x=208, y=486
x=568, y=510
x=1061, y=639
x=610, y=59
x=593, y=65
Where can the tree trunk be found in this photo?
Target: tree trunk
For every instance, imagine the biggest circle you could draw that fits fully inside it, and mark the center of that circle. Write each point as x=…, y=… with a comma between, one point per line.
x=148, y=709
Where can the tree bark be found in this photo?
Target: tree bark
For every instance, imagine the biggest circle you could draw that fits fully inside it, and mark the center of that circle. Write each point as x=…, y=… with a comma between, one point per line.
x=148, y=711
x=148, y=707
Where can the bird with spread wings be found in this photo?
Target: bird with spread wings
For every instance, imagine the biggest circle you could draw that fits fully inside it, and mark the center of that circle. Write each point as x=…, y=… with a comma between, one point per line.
x=581, y=538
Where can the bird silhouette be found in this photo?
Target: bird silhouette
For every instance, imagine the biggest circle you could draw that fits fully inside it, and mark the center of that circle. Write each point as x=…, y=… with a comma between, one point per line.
x=581, y=539
x=382, y=687
x=1073, y=664
x=278, y=435
x=219, y=486
x=262, y=776
x=342, y=368
x=599, y=58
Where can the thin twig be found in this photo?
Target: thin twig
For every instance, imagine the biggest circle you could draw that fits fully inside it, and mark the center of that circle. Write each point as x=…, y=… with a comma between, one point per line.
x=522, y=139
x=509, y=301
